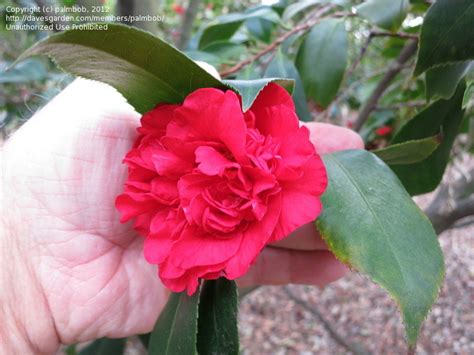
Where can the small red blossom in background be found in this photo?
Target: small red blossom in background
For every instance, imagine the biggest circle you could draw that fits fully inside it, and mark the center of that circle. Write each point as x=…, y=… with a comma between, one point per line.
x=383, y=131
x=178, y=9
x=209, y=185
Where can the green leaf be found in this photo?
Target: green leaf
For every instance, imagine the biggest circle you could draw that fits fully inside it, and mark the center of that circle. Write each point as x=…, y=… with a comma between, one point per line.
x=176, y=328
x=447, y=34
x=408, y=152
x=371, y=224
x=261, y=29
x=250, y=72
x=303, y=7
x=209, y=58
x=249, y=89
x=468, y=94
x=322, y=60
x=225, y=50
x=441, y=82
x=143, y=68
x=299, y=6
x=282, y=67
x=105, y=346
x=217, y=325
x=443, y=116
x=219, y=32
x=225, y=26
x=386, y=14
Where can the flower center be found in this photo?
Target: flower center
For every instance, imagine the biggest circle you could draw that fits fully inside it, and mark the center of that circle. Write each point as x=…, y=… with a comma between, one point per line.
x=263, y=150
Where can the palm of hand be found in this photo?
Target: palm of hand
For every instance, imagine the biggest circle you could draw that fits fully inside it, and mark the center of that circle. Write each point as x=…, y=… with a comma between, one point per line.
x=63, y=173
x=89, y=265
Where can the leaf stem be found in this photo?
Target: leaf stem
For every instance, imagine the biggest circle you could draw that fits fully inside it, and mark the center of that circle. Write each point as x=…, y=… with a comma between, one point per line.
x=407, y=52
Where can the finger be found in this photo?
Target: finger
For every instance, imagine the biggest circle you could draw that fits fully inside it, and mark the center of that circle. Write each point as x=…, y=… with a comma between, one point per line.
x=305, y=237
x=329, y=138
x=280, y=266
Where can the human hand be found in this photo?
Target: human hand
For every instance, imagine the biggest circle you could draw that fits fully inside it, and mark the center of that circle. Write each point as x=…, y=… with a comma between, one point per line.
x=70, y=271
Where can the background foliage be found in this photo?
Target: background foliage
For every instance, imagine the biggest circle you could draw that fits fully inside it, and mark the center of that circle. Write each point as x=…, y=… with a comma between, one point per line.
x=397, y=71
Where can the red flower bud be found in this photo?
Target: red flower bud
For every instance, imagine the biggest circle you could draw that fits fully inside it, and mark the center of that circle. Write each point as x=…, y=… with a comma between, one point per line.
x=180, y=10
x=383, y=131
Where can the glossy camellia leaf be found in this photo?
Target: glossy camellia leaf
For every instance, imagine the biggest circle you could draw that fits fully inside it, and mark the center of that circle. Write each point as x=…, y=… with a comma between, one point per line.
x=260, y=29
x=207, y=57
x=249, y=89
x=225, y=50
x=303, y=6
x=409, y=152
x=300, y=6
x=225, y=26
x=387, y=14
x=217, y=324
x=441, y=82
x=443, y=116
x=105, y=346
x=322, y=60
x=175, y=331
x=371, y=224
x=281, y=66
x=447, y=34
x=151, y=73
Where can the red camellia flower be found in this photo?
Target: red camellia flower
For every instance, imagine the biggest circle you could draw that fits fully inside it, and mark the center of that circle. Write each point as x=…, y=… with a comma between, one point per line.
x=178, y=9
x=383, y=131
x=209, y=185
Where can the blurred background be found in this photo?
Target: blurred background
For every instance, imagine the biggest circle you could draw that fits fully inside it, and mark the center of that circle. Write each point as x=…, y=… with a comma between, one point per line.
x=353, y=315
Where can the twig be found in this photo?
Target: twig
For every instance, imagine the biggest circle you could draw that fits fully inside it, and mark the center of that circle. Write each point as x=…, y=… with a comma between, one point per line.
x=363, y=50
x=352, y=348
x=325, y=114
x=452, y=203
x=357, y=61
x=188, y=22
x=394, y=69
x=278, y=41
x=343, y=94
x=464, y=223
x=403, y=35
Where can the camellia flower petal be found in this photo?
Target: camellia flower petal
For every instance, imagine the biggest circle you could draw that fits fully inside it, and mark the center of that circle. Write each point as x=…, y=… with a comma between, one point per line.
x=209, y=185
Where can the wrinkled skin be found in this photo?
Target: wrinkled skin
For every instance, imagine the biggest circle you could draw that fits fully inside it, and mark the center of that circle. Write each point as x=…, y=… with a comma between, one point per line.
x=70, y=271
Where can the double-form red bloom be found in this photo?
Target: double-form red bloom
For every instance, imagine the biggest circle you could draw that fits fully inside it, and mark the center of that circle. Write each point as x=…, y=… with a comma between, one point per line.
x=209, y=185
